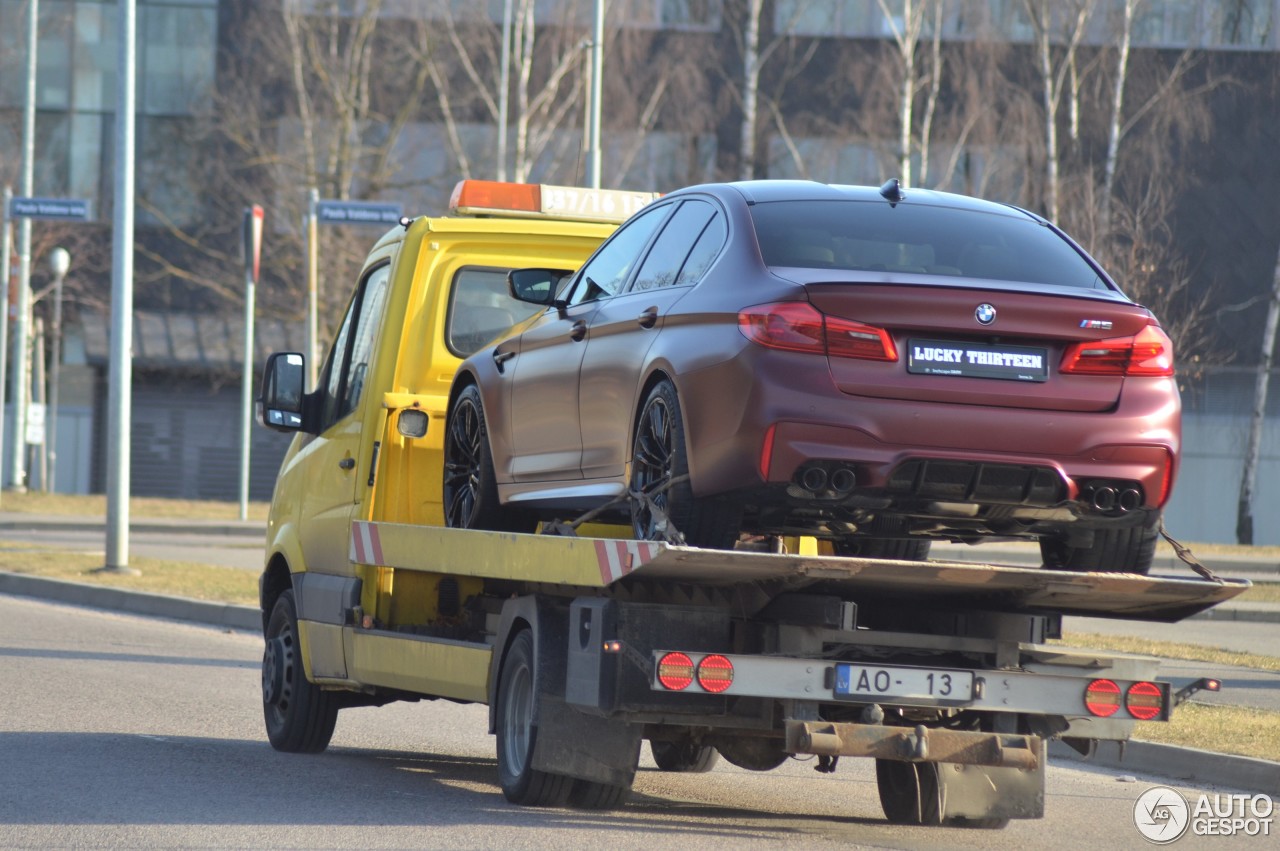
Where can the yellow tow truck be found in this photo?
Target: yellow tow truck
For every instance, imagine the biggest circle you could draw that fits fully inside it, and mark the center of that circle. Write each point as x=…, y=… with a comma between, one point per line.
x=585, y=647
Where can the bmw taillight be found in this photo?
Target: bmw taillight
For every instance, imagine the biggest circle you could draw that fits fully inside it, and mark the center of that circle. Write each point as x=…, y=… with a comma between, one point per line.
x=1149, y=352
x=798, y=326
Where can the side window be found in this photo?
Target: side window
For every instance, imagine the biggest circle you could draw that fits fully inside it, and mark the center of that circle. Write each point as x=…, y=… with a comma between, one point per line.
x=480, y=309
x=348, y=363
x=606, y=272
x=662, y=267
x=704, y=252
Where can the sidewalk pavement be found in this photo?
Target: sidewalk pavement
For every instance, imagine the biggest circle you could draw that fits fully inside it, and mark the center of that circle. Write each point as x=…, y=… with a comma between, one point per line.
x=1187, y=764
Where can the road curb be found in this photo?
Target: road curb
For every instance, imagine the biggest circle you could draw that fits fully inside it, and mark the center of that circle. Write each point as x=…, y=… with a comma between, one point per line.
x=236, y=529
x=227, y=615
x=1188, y=764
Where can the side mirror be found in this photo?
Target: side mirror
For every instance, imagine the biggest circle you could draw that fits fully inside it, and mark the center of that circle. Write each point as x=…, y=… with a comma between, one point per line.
x=536, y=286
x=280, y=406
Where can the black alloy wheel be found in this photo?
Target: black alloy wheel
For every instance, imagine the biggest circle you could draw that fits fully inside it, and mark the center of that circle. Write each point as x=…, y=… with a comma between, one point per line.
x=470, y=490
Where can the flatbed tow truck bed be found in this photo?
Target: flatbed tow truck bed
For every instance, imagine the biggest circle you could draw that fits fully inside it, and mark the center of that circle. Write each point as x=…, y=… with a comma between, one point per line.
x=599, y=563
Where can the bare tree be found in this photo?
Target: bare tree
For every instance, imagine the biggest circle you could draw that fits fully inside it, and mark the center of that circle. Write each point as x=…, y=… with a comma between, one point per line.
x=1253, y=449
x=1055, y=23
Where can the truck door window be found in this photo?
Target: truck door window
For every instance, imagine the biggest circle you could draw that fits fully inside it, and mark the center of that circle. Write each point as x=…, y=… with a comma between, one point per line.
x=348, y=362
x=480, y=309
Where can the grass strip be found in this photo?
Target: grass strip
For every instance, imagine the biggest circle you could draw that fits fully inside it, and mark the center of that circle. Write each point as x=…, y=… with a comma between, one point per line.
x=158, y=576
x=1171, y=650
x=95, y=505
x=1223, y=729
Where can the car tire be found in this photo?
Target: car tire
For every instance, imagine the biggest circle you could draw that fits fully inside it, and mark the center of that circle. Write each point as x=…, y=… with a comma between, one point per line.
x=516, y=734
x=659, y=455
x=1126, y=549
x=901, y=549
x=590, y=795
x=300, y=717
x=470, y=491
x=685, y=756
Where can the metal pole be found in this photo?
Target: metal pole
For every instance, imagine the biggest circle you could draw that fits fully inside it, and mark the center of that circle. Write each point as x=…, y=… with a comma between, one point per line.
x=21, y=383
x=40, y=456
x=313, y=286
x=246, y=395
x=504, y=97
x=120, y=380
x=4, y=307
x=60, y=262
x=597, y=63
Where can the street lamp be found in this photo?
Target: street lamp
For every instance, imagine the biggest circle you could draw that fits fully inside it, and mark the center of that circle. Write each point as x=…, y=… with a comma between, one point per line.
x=60, y=263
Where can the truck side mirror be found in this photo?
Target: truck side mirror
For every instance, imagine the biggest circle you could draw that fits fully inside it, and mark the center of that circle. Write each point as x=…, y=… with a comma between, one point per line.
x=280, y=407
x=536, y=286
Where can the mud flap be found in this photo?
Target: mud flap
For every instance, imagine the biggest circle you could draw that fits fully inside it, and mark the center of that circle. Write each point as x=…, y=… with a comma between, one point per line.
x=979, y=792
x=585, y=746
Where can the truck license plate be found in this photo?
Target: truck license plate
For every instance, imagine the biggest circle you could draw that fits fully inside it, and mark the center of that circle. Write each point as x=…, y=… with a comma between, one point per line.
x=913, y=683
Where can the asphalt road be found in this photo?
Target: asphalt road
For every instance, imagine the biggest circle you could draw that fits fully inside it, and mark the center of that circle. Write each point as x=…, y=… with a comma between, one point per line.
x=118, y=731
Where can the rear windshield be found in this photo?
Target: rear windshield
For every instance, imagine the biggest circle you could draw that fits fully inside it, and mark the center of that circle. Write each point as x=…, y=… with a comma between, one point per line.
x=917, y=239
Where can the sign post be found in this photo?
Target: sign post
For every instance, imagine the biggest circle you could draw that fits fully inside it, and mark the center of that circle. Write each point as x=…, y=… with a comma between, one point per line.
x=251, y=243
x=333, y=212
x=26, y=209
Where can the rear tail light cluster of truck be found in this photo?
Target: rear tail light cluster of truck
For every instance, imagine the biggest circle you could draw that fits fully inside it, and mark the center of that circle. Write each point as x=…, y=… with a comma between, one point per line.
x=1144, y=701
x=677, y=672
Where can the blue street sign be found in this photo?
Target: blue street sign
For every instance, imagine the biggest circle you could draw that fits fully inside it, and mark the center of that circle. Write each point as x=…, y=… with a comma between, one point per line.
x=357, y=213
x=60, y=209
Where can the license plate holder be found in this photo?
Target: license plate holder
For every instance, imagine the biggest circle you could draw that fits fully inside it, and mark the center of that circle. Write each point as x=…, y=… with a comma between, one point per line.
x=879, y=682
x=977, y=360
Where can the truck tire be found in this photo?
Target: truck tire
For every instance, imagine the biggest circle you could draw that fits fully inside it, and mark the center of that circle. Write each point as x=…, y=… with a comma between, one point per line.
x=684, y=756
x=300, y=717
x=1128, y=549
x=590, y=795
x=658, y=456
x=900, y=549
x=911, y=794
x=470, y=490
x=516, y=734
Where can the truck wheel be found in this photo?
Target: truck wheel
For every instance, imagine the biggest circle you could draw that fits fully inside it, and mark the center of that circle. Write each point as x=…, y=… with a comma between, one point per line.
x=684, y=756
x=470, y=488
x=659, y=455
x=590, y=795
x=300, y=717
x=901, y=549
x=520, y=782
x=909, y=792
x=1129, y=549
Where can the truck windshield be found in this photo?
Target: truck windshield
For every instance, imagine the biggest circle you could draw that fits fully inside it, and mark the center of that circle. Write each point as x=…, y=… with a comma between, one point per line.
x=918, y=239
x=481, y=309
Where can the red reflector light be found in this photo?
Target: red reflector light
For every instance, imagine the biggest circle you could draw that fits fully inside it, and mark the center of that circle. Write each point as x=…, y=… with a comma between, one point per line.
x=675, y=671
x=797, y=326
x=1144, y=701
x=1149, y=352
x=715, y=673
x=1102, y=698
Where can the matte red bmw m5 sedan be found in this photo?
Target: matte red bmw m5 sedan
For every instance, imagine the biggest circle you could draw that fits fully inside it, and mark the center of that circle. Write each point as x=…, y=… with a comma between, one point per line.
x=877, y=367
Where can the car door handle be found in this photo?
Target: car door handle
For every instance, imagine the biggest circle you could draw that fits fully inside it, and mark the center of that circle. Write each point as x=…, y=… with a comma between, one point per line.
x=347, y=463
x=500, y=358
x=649, y=318
x=579, y=331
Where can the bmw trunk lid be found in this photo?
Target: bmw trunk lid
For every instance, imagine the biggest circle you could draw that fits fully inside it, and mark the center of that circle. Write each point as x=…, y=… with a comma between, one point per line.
x=980, y=345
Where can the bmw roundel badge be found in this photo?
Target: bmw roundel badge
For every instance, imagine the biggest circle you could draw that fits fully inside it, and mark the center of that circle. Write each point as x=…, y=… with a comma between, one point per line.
x=985, y=314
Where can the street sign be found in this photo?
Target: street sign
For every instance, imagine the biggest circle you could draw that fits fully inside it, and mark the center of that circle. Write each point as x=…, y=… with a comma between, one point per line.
x=357, y=213
x=58, y=209
x=35, y=423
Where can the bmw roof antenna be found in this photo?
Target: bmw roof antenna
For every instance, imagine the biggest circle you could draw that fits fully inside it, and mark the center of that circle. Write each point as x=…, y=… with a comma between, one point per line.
x=892, y=191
